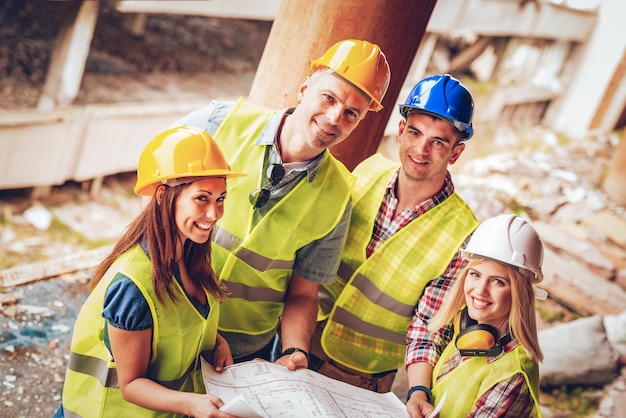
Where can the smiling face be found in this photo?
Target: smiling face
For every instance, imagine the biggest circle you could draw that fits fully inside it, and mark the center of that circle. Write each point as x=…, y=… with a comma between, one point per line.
x=487, y=290
x=198, y=207
x=427, y=147
x=329, y=109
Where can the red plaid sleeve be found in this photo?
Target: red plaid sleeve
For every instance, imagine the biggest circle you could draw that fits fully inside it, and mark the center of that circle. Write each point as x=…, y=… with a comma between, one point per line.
x=422, y=345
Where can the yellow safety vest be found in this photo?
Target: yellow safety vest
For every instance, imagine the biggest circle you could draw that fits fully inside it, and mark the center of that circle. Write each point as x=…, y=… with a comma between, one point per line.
x=375, y=297
x=474, y=376
x=180, y=334
x=256, y=263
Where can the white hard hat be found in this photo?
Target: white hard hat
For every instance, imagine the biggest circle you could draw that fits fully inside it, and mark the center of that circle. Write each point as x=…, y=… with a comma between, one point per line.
x=511, y=240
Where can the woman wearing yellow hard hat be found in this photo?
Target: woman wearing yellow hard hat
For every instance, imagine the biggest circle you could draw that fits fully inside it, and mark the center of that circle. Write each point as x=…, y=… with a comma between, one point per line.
x=154, y=304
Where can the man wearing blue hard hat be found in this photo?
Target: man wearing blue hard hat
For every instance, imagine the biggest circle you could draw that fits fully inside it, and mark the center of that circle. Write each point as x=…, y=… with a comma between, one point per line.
x=402, y=251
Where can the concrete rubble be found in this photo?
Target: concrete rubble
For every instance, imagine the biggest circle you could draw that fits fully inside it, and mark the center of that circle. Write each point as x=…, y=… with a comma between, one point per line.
x=584, y=234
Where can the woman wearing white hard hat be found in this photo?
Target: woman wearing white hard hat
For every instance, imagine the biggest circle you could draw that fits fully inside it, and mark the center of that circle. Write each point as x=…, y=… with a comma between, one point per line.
x=490, y=368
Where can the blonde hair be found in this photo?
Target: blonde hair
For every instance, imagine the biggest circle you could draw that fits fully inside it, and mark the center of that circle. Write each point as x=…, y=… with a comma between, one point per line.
x=522, y=323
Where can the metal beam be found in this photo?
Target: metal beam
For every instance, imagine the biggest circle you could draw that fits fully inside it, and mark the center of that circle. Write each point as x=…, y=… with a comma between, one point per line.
x=238, y=9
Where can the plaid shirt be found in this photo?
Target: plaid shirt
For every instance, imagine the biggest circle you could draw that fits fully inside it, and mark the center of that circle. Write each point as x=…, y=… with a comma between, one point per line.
x=508, y=399
x=386, y=225
x=421, y=344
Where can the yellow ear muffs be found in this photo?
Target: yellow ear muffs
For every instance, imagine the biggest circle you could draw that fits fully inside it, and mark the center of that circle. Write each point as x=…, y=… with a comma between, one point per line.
x=474, y=339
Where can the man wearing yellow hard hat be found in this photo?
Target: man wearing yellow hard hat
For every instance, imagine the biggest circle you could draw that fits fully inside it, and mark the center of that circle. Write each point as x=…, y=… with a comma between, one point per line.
x=285, y=224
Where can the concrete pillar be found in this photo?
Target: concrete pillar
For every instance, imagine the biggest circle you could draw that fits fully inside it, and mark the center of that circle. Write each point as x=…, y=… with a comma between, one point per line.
x=65, y=72
x=593, y=71
x=135, y=24
x=304, y=29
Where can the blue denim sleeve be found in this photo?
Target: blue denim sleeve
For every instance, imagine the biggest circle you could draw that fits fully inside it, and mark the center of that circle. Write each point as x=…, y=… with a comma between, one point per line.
x=208, y=117
x=125, y=306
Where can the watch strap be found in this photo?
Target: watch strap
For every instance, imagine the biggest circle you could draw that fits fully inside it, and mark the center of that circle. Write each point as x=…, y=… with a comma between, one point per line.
x=292, y=350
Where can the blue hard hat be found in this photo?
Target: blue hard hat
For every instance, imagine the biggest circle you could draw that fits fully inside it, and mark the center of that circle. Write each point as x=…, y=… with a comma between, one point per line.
x=445, y=97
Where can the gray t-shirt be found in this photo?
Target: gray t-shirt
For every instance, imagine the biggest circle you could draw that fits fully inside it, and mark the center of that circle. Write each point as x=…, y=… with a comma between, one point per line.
x=319, y=260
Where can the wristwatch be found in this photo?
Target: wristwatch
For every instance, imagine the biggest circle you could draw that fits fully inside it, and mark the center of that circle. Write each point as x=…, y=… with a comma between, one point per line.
x=429, y=395
x=292, y=350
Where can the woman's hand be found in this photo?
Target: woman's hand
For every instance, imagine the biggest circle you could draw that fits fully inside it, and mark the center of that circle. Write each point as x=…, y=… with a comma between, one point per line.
x=222, y=356
x=206, y=406
x=418, y=407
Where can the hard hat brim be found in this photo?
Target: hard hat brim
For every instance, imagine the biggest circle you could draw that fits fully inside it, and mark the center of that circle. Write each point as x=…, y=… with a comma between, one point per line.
x=466, y=130
x=535, y=276
x=149, y=189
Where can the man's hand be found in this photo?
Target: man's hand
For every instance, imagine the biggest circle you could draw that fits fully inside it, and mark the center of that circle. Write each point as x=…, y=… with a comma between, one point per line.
x=293, y=361
x=298, y=321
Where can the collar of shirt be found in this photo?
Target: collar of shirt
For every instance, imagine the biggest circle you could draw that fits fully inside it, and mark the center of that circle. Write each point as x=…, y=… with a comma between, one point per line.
x=269, y=137
x=388, y=222
x=446, y=190
x=144, y=246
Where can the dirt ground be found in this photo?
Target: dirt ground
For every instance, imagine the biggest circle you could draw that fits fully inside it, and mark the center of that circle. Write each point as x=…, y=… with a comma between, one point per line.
x=176, y=57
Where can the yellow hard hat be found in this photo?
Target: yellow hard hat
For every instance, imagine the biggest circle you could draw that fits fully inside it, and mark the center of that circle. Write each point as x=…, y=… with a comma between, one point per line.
x=181, y=153
x=362, y=63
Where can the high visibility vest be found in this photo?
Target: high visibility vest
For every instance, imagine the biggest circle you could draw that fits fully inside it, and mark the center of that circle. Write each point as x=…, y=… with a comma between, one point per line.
x=180, y=334
x=375, y=298
x=256, y=263
x=474, y=376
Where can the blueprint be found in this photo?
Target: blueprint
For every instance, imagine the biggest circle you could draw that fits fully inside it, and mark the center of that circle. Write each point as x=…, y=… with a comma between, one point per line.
x=262, y=389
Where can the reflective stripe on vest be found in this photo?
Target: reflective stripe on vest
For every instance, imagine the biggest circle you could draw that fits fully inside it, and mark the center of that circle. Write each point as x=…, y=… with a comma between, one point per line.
x=107, y=377
x=95, y=367
x=254, y=260
x=375, y=298
x=179, y=335
x=256, y=264
x=478, y=376
x=341, y=316
x=368, y=288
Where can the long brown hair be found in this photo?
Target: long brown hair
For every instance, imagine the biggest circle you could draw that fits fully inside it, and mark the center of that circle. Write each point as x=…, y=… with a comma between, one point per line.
x=156, y=226
x=522, y=323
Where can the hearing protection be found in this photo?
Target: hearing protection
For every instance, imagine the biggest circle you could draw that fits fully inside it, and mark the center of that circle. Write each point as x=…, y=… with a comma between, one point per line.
x=474, y=339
